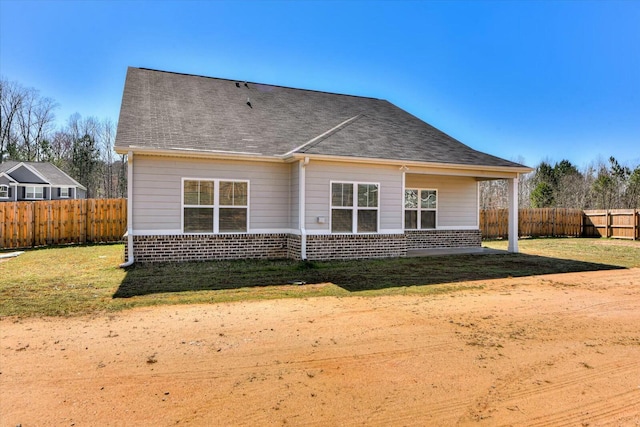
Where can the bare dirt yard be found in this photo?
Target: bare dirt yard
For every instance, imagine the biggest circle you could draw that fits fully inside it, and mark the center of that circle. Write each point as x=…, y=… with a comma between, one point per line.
x=560, y=349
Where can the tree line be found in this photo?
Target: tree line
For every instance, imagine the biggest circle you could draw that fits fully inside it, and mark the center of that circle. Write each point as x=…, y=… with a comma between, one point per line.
x=82, y=148
x=600, y=185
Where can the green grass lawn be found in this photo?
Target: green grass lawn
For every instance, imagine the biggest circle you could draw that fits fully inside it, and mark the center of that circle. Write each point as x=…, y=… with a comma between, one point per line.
x=75, y=280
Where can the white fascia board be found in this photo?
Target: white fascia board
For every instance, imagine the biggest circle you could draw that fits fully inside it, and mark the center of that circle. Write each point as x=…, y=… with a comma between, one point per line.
x=424, y=167
x=201, y=154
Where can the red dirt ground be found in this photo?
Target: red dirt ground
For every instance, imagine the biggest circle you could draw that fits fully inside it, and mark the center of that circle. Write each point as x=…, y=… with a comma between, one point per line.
x=548, y=350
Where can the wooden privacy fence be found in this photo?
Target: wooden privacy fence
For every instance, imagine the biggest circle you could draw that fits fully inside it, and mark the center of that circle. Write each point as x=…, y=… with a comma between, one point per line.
x=616, y=223
x=54, y=222
x=560, y=222
x=544, y=222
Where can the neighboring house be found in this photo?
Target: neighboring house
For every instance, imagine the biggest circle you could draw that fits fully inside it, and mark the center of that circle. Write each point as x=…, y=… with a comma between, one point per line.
x=29, y=181
x=228, y=169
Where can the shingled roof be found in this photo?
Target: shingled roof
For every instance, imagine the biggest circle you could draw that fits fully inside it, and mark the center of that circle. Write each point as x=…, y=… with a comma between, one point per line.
x=51, y=173
x=171, y=111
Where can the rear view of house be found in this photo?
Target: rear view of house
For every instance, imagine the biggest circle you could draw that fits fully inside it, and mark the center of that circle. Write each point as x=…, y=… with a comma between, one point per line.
x=31, y=181
x=222, y=169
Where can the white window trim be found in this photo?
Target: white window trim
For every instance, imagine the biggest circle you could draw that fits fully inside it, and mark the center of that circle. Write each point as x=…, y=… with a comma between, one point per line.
x=420, y=208
x=68, y=192
x=354, y=208
x=5, y=188
x=34, y=187
x=216, y=205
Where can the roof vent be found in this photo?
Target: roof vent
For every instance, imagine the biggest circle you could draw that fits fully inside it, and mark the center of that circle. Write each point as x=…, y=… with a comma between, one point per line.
x=249, y=102
x=246, y=85
x=237, y=84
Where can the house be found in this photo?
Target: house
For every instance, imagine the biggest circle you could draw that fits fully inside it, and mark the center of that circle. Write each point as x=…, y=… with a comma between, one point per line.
x=30, y=181
x=221, y=169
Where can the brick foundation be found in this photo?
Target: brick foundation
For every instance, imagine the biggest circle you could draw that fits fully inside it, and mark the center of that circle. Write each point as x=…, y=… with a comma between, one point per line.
x=202, y=247
x=356, y=246
x=433, y=239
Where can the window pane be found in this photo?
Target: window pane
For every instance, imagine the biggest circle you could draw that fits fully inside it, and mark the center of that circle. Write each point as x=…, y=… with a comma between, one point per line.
x=198, y=220
x=428, y=199
x=226, y=193
x=233, y=193
x=428, y=219
x=411, y=199
x=341, y=194
x=233, y=219
x=341, y=220
x=191, y=192
x=240, y=194
x=4, y=191
x=367, y=221
x=206, y=193
x=368, y=195
x=411, y=220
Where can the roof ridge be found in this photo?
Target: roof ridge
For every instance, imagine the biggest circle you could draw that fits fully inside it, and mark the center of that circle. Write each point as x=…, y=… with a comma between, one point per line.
x=257, y=83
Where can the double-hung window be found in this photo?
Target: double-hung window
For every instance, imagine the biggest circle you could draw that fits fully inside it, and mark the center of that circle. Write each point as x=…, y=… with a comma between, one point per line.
x=34, y=193
x=420, y=208
x=215, y=206
x=4, y=191
x=354, y=207
x=64, y=192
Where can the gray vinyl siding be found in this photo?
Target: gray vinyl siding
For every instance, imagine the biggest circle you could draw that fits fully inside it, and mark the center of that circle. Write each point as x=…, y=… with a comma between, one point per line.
x=320, y=174
x=457, y=198
x=157, y=190
x=294, y=196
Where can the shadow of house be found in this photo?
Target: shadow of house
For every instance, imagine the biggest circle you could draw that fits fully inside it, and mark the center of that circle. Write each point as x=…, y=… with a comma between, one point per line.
x=353, y=275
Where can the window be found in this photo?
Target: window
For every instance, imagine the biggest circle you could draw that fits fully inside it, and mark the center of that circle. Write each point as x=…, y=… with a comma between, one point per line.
x=349, y=215
x=214, y=206
x=34, y=193
x=420, y=208
x=64, y=192
x=4, y=191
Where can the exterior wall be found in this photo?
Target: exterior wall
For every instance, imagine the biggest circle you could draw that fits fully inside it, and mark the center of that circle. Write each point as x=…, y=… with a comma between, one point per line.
x=203, y=247
x=157, y=191
x=433, y=239
x=457, y=198
x=355, y=246
x=319, y=175
x=294, y=197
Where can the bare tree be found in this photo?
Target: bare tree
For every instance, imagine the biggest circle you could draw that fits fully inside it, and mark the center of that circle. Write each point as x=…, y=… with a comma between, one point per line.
x=11, y=98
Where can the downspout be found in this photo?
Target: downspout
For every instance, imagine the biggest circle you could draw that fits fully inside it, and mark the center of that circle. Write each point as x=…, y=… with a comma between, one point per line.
x=129, y=261
x=301, y=206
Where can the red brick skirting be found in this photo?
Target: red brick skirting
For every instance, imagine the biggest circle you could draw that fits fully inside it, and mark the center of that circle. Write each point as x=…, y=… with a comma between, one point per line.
x=201, y=247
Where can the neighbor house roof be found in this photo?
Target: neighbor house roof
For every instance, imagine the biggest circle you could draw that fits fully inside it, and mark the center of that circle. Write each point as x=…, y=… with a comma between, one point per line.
x=45, y=173
x=170, y=111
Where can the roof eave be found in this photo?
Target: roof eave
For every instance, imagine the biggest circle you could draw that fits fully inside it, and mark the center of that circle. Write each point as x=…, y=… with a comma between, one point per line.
x=410, y=163
x=202, y=154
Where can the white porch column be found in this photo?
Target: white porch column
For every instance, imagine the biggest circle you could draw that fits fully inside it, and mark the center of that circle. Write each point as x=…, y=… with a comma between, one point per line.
x=513, y=214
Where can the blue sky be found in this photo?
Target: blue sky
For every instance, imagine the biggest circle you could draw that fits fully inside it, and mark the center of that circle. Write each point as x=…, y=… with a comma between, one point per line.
x=528, y=81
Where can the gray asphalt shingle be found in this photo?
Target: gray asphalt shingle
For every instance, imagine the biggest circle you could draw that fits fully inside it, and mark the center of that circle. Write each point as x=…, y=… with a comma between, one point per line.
x=165, y=110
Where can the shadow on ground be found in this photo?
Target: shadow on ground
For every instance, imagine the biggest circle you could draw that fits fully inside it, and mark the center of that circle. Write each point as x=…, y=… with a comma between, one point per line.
x=352, y=276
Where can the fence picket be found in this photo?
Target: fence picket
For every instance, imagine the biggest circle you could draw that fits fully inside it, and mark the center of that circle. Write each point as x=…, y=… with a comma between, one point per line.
x=52, y=222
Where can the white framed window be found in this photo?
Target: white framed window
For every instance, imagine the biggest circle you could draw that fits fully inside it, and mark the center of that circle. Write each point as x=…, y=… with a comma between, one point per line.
x=215, y=206
x=34, y=193
x=4, y=191
x=420, y=208
x=64, y=192
x=354, y=207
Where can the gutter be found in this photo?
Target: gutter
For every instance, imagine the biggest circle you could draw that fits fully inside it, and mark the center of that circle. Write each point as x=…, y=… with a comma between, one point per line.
x=129, y=233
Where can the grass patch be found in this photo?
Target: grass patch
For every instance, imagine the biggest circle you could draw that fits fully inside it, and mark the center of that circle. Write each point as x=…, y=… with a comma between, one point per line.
x=76, y=280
